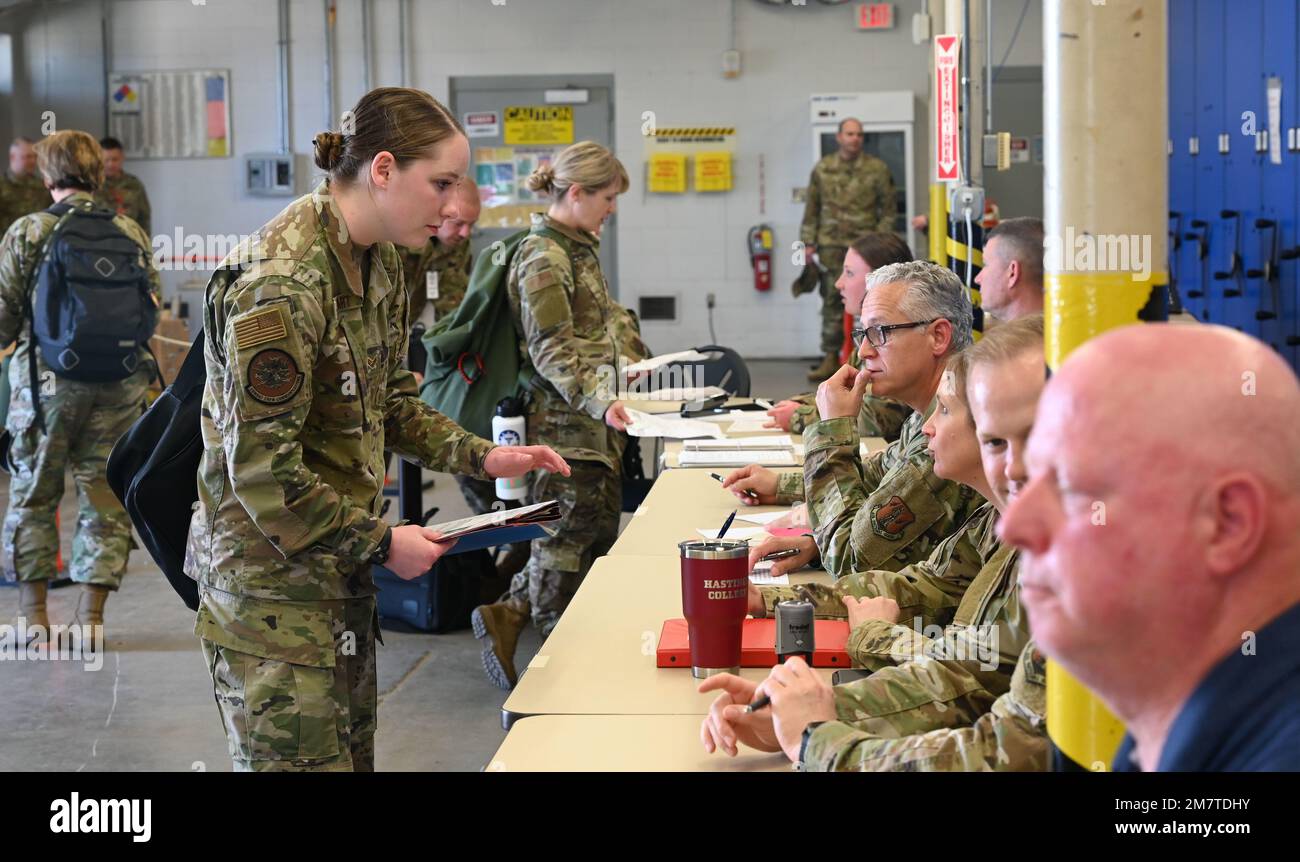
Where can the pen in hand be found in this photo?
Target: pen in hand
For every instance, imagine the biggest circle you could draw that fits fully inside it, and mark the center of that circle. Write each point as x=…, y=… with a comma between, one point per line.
x=726, y=525
x=748, y=493
x=761, y=701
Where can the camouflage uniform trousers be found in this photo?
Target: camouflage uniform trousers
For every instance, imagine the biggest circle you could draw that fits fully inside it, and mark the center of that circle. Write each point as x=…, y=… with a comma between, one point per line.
x=82, y=422
x=280, y=716
x=591, y=500
x=831, y=257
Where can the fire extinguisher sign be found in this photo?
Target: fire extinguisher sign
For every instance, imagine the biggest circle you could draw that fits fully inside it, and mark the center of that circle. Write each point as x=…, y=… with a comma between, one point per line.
x=947, y=101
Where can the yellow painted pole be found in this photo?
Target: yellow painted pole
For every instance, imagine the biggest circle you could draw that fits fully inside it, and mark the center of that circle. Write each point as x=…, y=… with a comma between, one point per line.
x=1105, y=79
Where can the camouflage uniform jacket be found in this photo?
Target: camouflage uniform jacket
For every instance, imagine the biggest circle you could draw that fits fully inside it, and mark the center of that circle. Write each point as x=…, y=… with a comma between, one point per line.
x=452, y=263
x=126, y=195
x=18, y=260
x=987, y=632
x=571, y=334
x=884, y=513
x=307, y=386
x=927, y=592
x=20, y=196
x=907, y=718
x=846, y=200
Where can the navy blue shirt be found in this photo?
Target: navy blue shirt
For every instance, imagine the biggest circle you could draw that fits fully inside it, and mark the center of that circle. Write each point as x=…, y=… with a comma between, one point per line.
x=1244, y=716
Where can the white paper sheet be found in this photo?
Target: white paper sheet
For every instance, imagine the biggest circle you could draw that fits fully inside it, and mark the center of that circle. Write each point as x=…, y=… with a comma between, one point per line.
x=667, y=425
x=738, y=458
x=765, y=579
x=737, y=533
x=775, y=441
x=667, y=358
x=763, y=518
x=751, y=422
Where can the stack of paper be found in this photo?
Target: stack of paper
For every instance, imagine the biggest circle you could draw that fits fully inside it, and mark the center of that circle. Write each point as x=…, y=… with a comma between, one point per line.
x=499, y=528
x=776, y=451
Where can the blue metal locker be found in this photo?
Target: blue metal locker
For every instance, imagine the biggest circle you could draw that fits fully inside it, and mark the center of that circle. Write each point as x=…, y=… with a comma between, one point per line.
x=1209, y=127
x=1185, y=241
x=1278, y=196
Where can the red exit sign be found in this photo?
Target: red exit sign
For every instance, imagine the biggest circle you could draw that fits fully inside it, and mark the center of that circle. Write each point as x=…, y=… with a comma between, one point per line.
x=876, y=16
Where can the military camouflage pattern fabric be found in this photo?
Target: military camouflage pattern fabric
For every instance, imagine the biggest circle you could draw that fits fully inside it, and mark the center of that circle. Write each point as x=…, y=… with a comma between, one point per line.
x=295, y=683
x=905, y=719
x=452, y=263
x=590, y=500
x=846, y=200
x=82, y=422
x=928, y=593
x=884, y=513
x=571, y=334
x=20, y=196
x=307, y=385
x=989, y=627
x=832, y=331
x=879, y=417
x=126, y=196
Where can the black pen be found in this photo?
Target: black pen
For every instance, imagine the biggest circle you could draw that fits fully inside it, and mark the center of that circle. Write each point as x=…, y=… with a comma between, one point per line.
x=750, y=494
x=779, y=555
x=726, y=525
x=762, y=701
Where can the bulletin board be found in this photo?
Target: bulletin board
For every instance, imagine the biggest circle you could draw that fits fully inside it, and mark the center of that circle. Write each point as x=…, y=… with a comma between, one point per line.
x=500, y=173
x=178, y=114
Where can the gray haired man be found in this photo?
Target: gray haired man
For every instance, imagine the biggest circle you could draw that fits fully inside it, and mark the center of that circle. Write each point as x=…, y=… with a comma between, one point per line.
x=891, y=510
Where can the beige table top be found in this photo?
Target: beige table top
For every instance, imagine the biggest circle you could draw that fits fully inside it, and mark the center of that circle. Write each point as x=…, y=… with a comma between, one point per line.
x=680, y=503
x=620, y=743
x=600, y=659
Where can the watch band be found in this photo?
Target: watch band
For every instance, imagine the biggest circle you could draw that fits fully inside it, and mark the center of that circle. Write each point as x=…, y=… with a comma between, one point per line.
x=807, y=735
x=380, y=556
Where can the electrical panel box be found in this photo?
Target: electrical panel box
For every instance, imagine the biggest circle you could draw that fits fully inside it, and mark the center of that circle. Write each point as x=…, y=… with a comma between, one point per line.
x=269, y=174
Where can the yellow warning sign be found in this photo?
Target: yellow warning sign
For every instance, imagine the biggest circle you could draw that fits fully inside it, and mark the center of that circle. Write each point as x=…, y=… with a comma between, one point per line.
x=527, y=125
x=713, y=172
x=668, y=173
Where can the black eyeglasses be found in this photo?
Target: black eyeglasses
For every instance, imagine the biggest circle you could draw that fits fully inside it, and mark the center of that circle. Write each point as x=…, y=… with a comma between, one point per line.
x=878, y=335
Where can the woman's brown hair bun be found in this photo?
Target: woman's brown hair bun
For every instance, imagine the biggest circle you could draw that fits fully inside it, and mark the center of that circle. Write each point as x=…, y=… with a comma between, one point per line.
x=329, y=150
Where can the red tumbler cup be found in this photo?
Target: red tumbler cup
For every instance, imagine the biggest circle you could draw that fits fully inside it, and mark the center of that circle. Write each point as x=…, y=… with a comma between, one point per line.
x=715, y=602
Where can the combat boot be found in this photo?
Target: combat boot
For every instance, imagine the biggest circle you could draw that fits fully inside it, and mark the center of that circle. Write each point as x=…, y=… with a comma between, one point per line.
x=31, y=608
x=90, y=607
x=830, y=364
x=498, y=626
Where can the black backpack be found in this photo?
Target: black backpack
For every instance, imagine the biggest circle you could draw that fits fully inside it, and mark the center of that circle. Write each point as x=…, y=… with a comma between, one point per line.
x=91, y=307
x=153, y=469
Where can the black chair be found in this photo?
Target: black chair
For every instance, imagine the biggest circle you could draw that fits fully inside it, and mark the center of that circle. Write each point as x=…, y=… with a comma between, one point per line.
x=724, y=368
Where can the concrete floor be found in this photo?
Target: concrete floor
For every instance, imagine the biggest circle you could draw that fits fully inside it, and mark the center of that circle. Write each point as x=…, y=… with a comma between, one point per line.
x=150, y=705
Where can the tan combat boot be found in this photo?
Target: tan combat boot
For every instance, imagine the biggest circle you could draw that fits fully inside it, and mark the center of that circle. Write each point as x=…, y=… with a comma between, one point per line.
x=498, y=626
x=90, y=607
x=31, y=608
x=830, y=364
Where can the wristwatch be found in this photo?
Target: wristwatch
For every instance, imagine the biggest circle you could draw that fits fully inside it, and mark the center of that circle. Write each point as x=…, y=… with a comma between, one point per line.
x=380, y=556
x=807, y=735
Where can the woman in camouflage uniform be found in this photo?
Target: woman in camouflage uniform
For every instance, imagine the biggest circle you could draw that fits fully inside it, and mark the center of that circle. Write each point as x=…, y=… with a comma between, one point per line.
x=571, y=334
x=306, y=335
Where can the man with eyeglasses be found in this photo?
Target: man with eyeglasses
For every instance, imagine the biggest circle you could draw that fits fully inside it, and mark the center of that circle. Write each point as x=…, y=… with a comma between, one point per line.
x=891, y=510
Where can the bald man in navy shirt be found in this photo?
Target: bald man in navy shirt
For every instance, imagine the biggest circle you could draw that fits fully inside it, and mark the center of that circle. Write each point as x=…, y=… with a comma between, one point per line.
x=1160, y=532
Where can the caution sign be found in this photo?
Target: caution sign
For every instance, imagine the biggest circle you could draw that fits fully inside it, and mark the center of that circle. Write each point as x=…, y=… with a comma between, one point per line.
x=548, y=125
x=668, y=173
x=713, y=172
